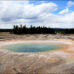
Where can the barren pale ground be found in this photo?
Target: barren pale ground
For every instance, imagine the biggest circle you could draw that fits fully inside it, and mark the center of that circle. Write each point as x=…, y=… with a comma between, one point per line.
x=59, y=61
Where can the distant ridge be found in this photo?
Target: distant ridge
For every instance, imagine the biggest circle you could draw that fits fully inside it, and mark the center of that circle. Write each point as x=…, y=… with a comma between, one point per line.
x=6, y=30
x=48, y=30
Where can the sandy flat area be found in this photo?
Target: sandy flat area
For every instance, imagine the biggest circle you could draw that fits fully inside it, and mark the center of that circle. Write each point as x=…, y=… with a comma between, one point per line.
x=49, y=62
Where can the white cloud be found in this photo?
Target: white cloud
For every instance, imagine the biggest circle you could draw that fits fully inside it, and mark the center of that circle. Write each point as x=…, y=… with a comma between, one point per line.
x=21, y=12
x=14, y=12
x=70, y=3
x=65, y=21
x=64, y=11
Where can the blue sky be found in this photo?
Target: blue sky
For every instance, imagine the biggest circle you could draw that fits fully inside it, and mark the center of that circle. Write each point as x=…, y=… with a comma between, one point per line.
x=61, y=4
x=55, y=14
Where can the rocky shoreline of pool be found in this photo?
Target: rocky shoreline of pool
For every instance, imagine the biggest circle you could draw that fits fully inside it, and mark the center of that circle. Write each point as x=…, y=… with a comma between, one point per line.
x=57, y=61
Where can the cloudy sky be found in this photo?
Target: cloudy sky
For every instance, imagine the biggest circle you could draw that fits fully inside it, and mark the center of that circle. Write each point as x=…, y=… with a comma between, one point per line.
x=55, y=14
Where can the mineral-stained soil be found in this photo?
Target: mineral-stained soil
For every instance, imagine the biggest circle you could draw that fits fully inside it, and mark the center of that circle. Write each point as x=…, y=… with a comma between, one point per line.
x=38, y=63
x=59, y=61
x=7, y=36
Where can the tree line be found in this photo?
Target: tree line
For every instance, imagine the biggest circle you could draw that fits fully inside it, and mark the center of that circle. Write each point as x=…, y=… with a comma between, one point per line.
x=32, y=30
x=40, y=30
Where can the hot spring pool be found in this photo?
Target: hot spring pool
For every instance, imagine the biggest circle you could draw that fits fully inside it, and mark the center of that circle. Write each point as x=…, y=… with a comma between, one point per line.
x=32, y=47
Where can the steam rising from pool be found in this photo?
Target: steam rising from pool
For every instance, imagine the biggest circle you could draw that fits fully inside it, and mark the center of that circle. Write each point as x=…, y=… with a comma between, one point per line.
x=32, y=47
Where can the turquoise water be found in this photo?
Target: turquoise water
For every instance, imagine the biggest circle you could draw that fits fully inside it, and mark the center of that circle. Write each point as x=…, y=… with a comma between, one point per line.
x=32, y=47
